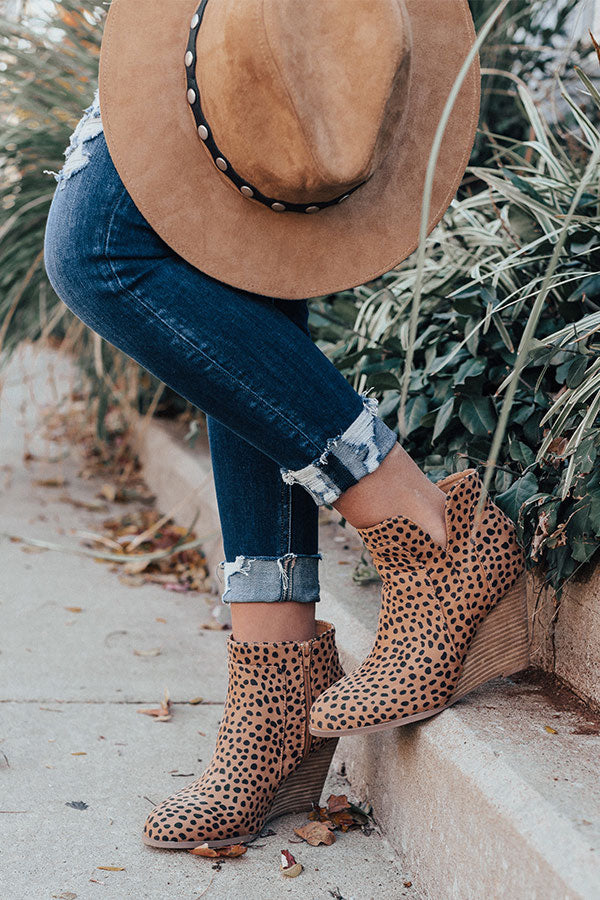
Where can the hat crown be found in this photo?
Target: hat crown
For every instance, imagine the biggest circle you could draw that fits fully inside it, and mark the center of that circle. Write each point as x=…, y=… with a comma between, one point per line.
x=303, y=96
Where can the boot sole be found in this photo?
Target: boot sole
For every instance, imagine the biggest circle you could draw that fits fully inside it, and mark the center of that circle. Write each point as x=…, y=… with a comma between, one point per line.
x=298, y=793
x=500, y=648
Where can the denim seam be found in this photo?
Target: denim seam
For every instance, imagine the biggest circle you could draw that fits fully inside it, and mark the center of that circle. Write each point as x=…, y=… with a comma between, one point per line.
x=290, y=501
x=184, y=339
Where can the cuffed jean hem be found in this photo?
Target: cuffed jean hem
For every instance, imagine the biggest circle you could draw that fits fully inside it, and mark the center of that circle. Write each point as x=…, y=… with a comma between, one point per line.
x=268, y=579
x=346, y=459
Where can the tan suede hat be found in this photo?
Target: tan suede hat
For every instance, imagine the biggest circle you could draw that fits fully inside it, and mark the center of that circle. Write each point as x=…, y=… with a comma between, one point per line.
x=281, y=146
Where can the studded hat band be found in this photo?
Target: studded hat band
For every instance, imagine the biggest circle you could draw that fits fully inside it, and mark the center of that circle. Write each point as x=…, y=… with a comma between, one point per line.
x=219, y=159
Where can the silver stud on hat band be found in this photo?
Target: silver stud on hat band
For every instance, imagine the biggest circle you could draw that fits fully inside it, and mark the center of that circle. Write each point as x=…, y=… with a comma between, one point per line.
x=219, y=159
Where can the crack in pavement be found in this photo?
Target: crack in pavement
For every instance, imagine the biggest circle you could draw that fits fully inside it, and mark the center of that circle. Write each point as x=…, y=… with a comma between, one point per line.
x=113, y=702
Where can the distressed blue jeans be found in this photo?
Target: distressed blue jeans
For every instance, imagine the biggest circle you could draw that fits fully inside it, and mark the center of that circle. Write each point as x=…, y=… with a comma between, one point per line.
x=287, y=432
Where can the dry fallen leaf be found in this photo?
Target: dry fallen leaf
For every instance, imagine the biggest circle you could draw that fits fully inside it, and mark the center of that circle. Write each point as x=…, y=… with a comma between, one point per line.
x=163, y=713
x=316, y=833
x=93, y=505
x=337, y=802
x=224, y=852
x=57, y=481
x=136, y=566
x=344, y=820
x=289, y=867
x=108, y=491
x=79, y=753
x=213, y=625
x=550, y=730
x=160, y=619
x=74, y=609
x=66, y=895
x=154, y=651
x=319, y=814
x=111, y=868
x=195, y=701
x=339, y=813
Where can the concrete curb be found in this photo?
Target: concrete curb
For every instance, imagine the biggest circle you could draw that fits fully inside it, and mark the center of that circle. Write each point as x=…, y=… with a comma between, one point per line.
x=180, y=476
x=484, y=800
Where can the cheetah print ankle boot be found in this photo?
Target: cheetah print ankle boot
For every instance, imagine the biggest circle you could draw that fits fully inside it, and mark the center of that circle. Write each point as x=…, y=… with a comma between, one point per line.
x=265, y=763
x=450, y=620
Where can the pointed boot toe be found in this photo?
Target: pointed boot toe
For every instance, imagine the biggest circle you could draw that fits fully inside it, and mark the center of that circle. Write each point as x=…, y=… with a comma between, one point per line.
x=184, y=820
x=451, y=618
x=265, y=763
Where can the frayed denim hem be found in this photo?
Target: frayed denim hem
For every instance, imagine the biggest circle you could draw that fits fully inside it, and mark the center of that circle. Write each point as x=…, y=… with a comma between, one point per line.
x=268, y=579
x=88, y=127
x=346, y=459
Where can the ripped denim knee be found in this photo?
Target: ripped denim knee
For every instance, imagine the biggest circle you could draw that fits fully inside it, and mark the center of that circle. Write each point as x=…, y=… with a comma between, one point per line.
x=75, y=154
x=266, y=579
x=347, y=458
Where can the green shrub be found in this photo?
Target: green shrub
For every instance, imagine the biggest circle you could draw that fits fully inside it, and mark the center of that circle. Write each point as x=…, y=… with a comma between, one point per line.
x=484, y=267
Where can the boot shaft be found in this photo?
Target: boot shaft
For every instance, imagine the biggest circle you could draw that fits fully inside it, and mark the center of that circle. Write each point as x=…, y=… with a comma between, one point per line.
x=481, y=561
x=271, y=689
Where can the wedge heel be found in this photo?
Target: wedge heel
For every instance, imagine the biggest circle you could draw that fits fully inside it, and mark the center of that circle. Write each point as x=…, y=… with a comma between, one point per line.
x=304, y=787
x=501, y=644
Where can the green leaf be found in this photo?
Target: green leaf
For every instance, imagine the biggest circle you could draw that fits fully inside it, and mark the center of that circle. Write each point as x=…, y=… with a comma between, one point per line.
x=383, y=381
x=524, y=225
x=531, y=428
x=589, y=287
x=521, y=453
x=478, y=415
x=583, y=547
x=503, y=480
x=415, y=410
x=444, y=415
x=469, y=369
x=523, y=185
x=513, y=499
x=576, y=371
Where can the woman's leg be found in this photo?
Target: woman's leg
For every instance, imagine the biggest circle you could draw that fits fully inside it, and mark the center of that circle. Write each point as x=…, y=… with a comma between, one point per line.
x=270, y=535
x=233, y=354
x=270, y=540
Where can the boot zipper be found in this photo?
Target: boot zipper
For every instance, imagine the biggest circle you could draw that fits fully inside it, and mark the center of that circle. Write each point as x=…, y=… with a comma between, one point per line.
x=307, y=697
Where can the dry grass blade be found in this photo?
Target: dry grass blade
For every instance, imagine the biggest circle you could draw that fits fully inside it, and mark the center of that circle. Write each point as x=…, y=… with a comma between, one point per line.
x=109, y=557
x=145, y=535
x=426, y=204
x=528, y=334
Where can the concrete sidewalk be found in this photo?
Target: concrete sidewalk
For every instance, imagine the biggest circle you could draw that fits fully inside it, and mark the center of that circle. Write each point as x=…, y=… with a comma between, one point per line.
x=79, y=768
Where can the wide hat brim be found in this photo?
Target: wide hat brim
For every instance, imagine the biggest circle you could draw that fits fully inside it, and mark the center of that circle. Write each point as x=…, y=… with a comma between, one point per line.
x=152, y=141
